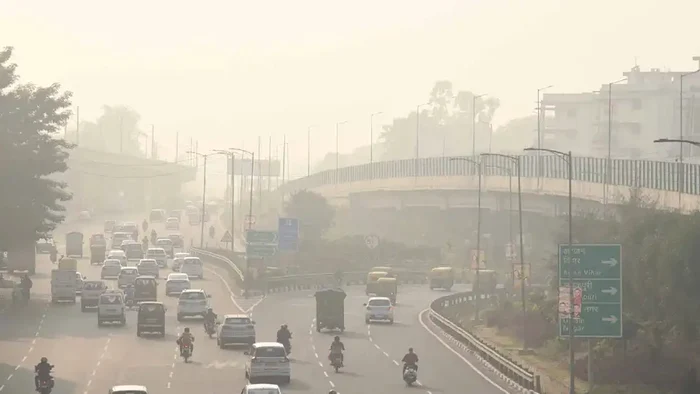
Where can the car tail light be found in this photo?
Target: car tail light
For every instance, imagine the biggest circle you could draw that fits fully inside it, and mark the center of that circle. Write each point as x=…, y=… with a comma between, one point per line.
x=254, y=360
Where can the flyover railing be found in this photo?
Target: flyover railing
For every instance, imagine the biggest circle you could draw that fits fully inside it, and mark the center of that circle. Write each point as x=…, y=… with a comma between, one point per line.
x=511, y=369
x=659, y=175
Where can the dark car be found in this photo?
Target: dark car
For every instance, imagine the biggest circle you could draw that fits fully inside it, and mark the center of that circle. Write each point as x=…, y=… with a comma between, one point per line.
x=151, y=318
x=45, y=246
x=178, y=240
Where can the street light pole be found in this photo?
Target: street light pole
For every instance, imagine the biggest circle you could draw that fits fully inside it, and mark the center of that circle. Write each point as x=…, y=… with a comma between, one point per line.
x=474, y=98
x=608, y=164
x=371, y=143
x=308, y=150
x=246, y=280
x=681, y=172
x=539, y=133
x=523, y=293
x=477, y=288
x=569, y=161
x=415, y=165
x=679, y=141
x=337, y=149
x=204, y=197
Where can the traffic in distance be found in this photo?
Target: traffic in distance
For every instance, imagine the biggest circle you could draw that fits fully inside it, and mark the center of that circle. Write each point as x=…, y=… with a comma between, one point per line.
x=127, y=290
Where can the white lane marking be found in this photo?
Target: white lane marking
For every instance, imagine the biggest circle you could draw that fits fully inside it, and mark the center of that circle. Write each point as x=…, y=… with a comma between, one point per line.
x=17, y=367
x=168, y=384
x=10, y=377
x=89, y=383
x=456, y=353
x=2, y=387
x=370, y=339
x=30, y=349
x=386, y=354
x=320, y=364
x=377, y=346
x=396, y=362
x=332, y=384
x=232, y=296
x=24, y=358
x=429, y=392
x=171, y=374
x=316, y=354
x=325, y=373
x=34, y=341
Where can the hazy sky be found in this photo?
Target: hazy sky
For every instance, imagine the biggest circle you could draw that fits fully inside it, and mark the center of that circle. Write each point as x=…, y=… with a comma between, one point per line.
x=225, y=72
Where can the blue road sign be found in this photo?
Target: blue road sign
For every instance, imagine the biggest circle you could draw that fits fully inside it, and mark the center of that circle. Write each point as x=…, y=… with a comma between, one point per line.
x=288, y=234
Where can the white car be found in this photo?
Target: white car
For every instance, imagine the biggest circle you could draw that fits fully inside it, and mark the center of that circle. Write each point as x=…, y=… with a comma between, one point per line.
x=79, y=282
x=118, y=238
x=167, y=245
x=110, y=308
x=128, y=389
x=193, y=302
x=379, y=308
x=111, y=269
x=267, y=360
x=177, y=283
x=159, y=255
x=172, y=224
x=192, y=266
x=261, y=388
x=148, y=267
x=127, y=276
x=236, y=329
x=117, y=254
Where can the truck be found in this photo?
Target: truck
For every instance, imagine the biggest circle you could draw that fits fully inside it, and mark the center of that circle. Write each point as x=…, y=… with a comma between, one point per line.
x=21, y=258
x=64, y=282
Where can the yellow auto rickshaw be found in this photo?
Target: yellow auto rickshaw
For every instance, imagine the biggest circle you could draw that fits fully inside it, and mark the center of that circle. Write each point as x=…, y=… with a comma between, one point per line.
x=441, y=278
x=372, y=279
x=387, y=287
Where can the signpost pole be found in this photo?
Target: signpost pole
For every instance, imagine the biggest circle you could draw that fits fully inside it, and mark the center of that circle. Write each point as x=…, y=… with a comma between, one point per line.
x=478, y=247
x=572, y=378
x=233, y=199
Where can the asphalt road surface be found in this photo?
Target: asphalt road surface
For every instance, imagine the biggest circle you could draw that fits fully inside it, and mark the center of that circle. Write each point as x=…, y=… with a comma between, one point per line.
x=89, y=359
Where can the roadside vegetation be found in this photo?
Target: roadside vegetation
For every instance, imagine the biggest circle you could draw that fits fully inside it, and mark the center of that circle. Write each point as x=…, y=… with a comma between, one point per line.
x=661, y=304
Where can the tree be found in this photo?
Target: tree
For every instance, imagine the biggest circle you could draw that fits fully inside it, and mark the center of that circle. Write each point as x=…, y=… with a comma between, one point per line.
x=116, y=130
x=314, y=213
x=30, y=117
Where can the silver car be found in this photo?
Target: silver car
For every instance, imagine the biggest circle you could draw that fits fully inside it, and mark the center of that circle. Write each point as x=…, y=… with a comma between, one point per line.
x=148, y=267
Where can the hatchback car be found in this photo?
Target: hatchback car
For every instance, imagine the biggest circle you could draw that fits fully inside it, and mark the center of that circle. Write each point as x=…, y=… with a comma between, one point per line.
x=267, y=361
x=172, y=224
x=193, y=302
x=159, y=255
x=177, y=283
x=127, y=276
x=111, y=269
x=379, y=308
x=261, y=388
x=236, y=329
x=167, y=245
x=192, y=266
x=117, y=254
x=148, y=267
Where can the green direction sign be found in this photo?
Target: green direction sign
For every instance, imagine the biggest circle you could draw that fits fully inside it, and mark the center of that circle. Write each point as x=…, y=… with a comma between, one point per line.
x=597, y=272
x=261, y=237
x=259, y=251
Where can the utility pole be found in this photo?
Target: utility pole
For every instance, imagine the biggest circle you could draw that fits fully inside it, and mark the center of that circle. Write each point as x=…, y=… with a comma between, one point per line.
x=284, y=156
x=177, y=146
x=259, y=166
x=233, y=200
x=77, y=127
x=269, y=165
x=153, y=142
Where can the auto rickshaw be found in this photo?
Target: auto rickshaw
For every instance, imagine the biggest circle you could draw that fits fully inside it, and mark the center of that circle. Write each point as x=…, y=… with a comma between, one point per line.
x=387, y=287
x=74, y=244
x=145, y=289
x=388, y=270
x=372, y=277
x=330, y=309
x=441, y=278
x=98, y=248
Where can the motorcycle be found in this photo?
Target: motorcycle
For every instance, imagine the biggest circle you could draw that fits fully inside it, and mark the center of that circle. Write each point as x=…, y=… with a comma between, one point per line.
x=336, y=361
x=186, y=352
x=45, y=385
x=210, y=329
x=410, y=375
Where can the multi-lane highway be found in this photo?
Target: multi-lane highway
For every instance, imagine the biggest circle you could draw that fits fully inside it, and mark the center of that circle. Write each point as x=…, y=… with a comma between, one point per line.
x=89, y=359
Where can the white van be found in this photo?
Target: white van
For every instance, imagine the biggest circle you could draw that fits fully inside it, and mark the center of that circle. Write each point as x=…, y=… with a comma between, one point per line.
x=192, y=266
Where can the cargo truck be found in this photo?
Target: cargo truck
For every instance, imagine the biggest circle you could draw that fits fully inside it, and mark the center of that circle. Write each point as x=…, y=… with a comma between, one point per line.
x=64, y=283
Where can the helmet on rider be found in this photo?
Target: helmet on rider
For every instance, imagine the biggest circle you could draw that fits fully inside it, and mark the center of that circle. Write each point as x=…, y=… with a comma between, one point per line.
x=332, y=392
x=410, y=350
x=210, y=310
x=44, y=360
x=337, y=338
x=187, y=329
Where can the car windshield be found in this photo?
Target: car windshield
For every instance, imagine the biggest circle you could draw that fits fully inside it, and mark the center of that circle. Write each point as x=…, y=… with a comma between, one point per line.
x=112, y=263
x=94, y=286
x=164, y=242
x=379, y=303
x=150, y=308
x=192, y=295
x=131, y=271
x=178, y=277
x=193, y=260
x=237, y=320
x=263, y=391
x=146, y=263
x=270, y=352
x=111, y=299
x=144, y=282
x=129, y=392
x=156, y=252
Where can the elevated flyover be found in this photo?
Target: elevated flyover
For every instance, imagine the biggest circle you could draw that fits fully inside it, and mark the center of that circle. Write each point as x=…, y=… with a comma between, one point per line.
x=447, y=183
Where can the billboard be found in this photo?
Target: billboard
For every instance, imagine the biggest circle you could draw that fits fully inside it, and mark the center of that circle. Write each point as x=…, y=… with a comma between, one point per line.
x=262, y=167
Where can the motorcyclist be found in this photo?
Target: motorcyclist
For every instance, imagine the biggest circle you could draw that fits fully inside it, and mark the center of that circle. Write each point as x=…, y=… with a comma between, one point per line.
x=53, y=255
x=26, y=284
x=43, y=371
x=144, y=243
x=186, y=339
x=129, y=294
x=210, y=318
x=144, y=225
x=154, y=237
x=410, y=359
x=283, y=335
x=337, y=347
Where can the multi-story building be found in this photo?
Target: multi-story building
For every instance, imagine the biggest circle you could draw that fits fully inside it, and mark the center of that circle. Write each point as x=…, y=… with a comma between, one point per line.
x=645, y=106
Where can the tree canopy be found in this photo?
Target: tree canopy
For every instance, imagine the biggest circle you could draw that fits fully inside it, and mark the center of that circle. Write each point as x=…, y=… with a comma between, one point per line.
x=116, y=130
x=30, y=118
x=314, y=213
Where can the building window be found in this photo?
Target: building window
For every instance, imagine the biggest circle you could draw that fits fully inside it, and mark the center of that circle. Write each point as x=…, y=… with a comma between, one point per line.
x=571, y=113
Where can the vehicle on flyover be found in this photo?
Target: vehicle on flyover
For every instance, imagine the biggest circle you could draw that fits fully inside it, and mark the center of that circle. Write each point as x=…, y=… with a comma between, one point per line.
x=441, y=278
x=330, y=309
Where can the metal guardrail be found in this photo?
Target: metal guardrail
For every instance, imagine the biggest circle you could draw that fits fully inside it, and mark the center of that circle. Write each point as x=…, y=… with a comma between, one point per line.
x=511, y=369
